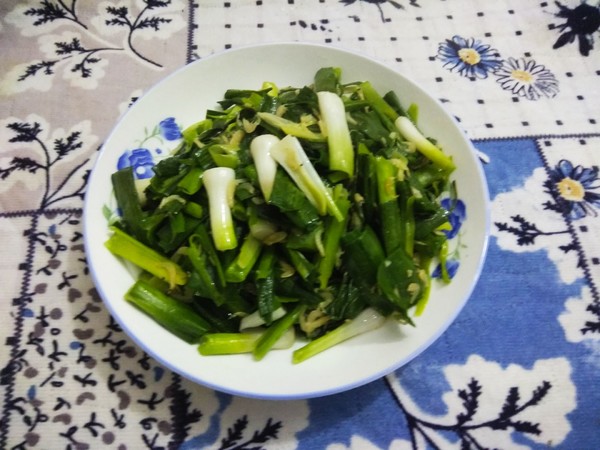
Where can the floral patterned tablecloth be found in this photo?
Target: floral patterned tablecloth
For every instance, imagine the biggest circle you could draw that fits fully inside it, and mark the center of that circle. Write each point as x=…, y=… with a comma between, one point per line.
x=520, y=366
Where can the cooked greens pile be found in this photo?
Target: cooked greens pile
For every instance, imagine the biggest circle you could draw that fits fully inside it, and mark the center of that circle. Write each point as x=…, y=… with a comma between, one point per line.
x=310, y=212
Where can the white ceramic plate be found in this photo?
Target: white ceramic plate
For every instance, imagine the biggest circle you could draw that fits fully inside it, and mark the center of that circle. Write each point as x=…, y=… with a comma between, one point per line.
x=185, y=95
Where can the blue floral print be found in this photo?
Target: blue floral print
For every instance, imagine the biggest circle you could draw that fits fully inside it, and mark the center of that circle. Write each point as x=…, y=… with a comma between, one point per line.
x=575, y=189
x=458, y=213
x=145, y=156
x=473, y=59
x=140, y=159
x=469, y=57
x=451, y=266
x=526, y=78
x=169, y=129
x=457, y=216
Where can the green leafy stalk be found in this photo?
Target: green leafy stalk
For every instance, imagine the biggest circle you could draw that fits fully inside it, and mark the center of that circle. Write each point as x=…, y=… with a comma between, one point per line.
x=265, y=285
x=443, y=257
x=225, y=155
x=423, y=145
x=241, y=266
x=413, y=112
x=401, y=280
x=406, y=201
x=366, y=181
x=204, y=282
x=129, y=202
x=363, y=254
x=367, y=320
x=377, y=102
x=386, y=174
x=194, y=209
x=291, y=128
x=392, y=99
x=291, y=156
x=123, y=245
x=392, y=226
x=204, y=244
x=332, y=237
x=292, y=202
x=420, y=307
x=275, y=331
x=177, y=317
x=227, y=343
x=333, y=114
x=350, y=297
x=235, y=343
x=192, y=182
x=409, y=226
x=191, y=133
x=300, y=262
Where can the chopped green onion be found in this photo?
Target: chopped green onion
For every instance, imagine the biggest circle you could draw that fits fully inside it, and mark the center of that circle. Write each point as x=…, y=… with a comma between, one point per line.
x=220, y=185
x=367, y=320
x=125, y=246
x=179, y=318
x=291, y=156
x=266, y=166
x=424, y=145
x=341, y=153
x=291, y=128
x=235, y=343
x=268, y=339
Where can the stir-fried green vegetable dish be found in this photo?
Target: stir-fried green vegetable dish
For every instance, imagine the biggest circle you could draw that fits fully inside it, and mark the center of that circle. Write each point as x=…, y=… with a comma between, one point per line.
x=288, y=214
